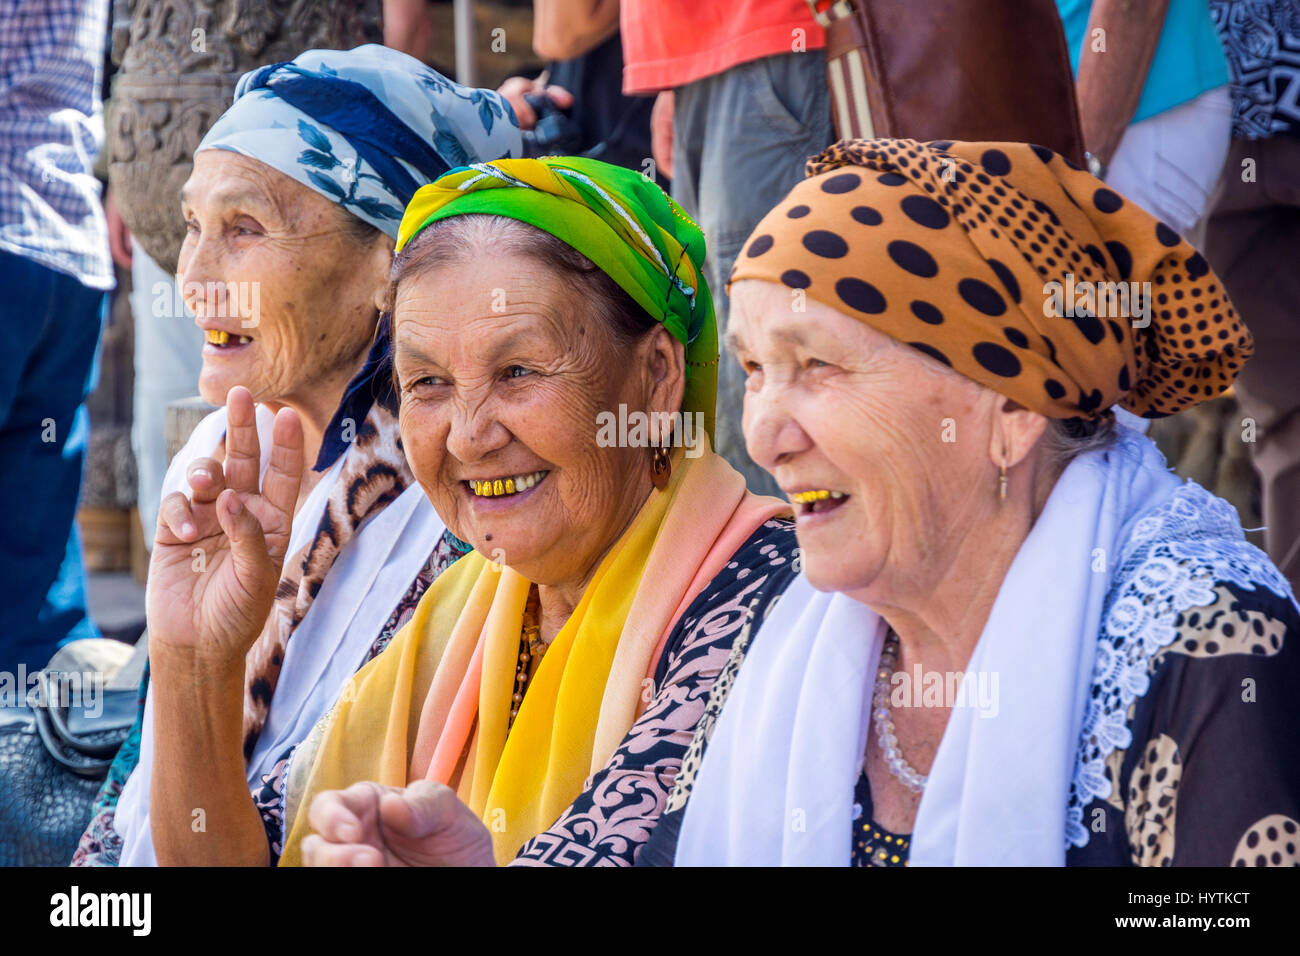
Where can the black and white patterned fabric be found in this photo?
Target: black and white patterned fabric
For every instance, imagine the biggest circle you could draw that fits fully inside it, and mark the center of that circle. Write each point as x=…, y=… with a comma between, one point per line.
x=1261, y=39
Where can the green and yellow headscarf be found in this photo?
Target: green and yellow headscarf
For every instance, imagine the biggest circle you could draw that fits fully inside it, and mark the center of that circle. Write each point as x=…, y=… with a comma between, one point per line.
x=618, y=219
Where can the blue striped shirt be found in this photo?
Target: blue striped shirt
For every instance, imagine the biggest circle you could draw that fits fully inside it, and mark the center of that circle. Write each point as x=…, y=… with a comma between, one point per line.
x=51, y=128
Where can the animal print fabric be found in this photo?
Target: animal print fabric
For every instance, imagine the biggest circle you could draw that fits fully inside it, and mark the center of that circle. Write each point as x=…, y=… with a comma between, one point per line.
x=373, y=474
x=1206, y=779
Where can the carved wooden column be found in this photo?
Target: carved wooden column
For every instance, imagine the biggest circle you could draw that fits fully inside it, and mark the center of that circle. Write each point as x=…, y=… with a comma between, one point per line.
x=179, y=62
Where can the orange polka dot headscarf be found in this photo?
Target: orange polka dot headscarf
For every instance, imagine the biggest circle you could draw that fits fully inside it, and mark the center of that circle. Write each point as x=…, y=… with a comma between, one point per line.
x=1011, y=266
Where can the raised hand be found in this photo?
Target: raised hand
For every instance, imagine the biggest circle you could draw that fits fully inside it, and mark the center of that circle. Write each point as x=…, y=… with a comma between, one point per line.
x=369, y=824
x=217, y=556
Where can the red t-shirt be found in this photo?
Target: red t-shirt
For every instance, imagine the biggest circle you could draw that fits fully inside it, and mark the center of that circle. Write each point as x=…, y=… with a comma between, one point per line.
x=668, y=43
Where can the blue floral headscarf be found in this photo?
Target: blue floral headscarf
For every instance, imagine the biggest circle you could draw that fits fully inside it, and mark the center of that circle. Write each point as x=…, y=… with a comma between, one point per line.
x=365, y=128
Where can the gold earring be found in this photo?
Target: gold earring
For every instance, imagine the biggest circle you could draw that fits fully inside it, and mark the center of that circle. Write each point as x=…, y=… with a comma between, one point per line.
x=1002, y=481
x=661, y=468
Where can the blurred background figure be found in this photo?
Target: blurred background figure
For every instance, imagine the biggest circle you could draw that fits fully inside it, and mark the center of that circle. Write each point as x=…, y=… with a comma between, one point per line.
x=409, y=27
x=742, y=103
x=1152, y=84
x=54, y=270
x=1156, y=111
x=576, y=106
x=1252, y=239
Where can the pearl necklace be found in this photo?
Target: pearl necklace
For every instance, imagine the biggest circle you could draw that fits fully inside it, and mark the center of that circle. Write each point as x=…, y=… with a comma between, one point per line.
x=899, y=767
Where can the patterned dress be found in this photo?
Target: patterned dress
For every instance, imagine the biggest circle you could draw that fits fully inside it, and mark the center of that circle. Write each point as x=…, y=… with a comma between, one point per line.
x=1204, y=770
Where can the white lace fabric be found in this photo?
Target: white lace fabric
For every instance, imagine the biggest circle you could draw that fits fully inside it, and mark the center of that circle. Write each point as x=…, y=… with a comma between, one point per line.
x=1172, y=562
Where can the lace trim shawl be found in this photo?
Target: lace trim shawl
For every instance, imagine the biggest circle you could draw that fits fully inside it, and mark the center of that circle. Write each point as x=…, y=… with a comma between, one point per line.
x=1172, y=561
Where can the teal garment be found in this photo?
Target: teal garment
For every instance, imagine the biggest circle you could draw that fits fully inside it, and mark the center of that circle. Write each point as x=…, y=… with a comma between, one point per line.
x=1189, y=58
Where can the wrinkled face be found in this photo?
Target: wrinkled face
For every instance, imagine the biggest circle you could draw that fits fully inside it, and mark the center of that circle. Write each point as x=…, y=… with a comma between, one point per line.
x=270, y=263
x=502, y=375
x=900, y=444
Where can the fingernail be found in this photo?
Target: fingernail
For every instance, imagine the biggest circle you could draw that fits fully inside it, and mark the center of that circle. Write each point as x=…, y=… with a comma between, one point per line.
x=236, y=506
x=187, y=530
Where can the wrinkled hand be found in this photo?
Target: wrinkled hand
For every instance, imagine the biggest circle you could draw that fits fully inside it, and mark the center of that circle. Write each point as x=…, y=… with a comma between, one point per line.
x=369, y=824
x=513, y=90
x=217, y=557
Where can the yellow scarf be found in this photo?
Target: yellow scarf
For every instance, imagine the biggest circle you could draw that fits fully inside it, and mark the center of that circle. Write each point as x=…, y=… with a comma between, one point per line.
x=442, y=691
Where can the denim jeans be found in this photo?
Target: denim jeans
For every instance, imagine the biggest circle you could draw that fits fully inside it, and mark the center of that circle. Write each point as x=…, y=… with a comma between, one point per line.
x=51, y=323
x=740, y=140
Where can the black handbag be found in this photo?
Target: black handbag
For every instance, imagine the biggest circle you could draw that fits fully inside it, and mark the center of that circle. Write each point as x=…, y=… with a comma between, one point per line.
x=54, y=756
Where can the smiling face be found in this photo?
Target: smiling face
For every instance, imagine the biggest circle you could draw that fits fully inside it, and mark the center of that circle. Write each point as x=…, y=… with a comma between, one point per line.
x=502, y=373
x=899, y=444
x=276, y=276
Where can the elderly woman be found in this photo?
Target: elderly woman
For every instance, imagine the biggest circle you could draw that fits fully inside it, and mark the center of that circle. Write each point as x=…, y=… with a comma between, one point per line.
x=534, y=302
x=1017, y=639
x=292, y=211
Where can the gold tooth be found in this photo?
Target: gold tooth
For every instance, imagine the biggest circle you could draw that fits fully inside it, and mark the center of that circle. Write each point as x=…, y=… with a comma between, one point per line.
x=491, y=487
x=807, y=497
x=218, y=337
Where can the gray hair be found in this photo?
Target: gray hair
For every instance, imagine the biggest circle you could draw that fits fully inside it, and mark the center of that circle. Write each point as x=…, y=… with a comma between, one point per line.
x=1065, y=439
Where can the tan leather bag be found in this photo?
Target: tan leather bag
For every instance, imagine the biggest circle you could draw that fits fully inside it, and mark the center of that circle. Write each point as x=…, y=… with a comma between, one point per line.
x=951, y=69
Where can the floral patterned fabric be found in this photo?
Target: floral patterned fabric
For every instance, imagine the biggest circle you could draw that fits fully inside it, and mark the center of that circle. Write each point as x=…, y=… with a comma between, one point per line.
x=1218, y=692
x=1183, y=761
x=365, y=128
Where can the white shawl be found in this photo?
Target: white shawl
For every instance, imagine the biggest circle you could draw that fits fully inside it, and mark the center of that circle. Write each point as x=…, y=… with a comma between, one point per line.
x=777, y=779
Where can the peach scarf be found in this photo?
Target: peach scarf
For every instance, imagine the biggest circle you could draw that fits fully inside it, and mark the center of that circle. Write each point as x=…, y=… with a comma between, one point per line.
x=435, y=704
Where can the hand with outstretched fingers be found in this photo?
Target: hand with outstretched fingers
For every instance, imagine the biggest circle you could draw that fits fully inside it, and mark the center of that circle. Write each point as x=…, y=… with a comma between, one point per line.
x=369, y=824
x=217, y=555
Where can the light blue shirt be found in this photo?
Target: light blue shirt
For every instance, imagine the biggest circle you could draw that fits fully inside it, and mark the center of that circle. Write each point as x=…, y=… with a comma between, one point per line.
x=1188, y=61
